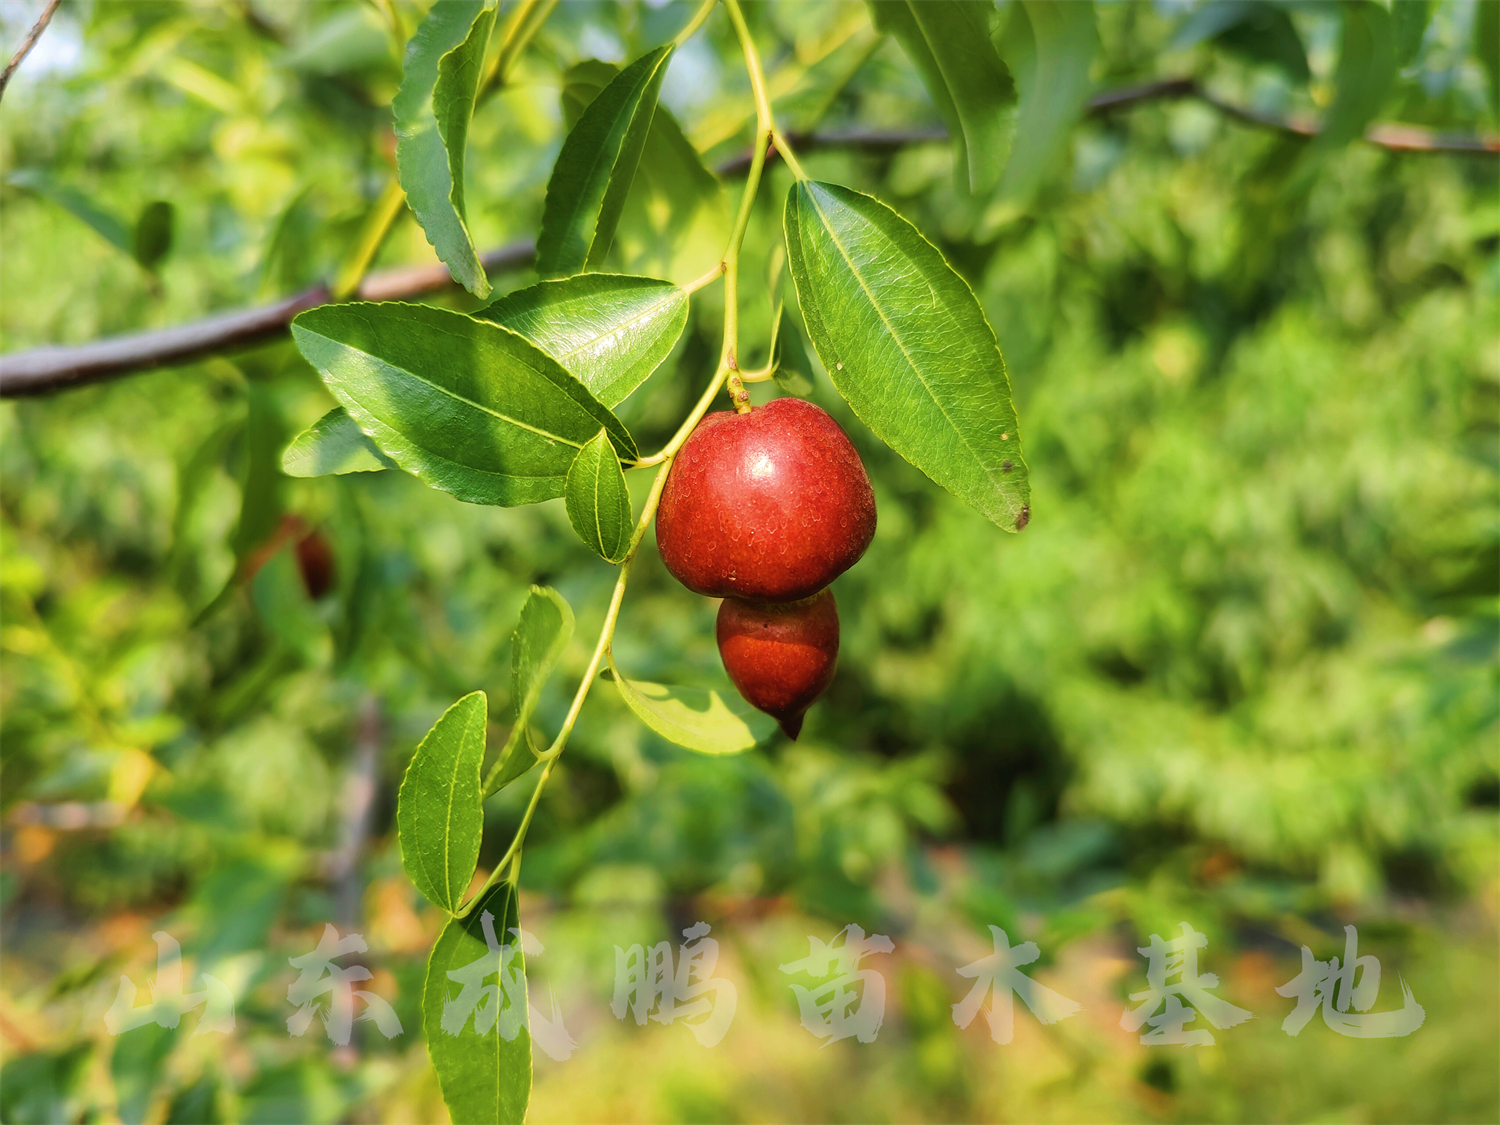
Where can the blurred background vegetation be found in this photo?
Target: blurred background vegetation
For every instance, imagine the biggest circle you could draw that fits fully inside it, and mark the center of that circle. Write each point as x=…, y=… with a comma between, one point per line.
x=1240, y=670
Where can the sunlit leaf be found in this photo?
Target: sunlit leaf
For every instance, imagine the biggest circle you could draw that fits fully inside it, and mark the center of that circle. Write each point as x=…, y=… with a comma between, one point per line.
x=333, y=445
x=444, y=62
x=700, y=719
x=905, y=342
x=540, y=637
x=485, y=1078
x=948, y=41
x=609, y=330
x=439, y=813
x=468, y=406
x=595, y=168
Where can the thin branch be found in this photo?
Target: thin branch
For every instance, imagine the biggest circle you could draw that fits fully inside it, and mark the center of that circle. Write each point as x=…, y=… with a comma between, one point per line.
x=26, y=44
x=56, y=368
x=43, y=370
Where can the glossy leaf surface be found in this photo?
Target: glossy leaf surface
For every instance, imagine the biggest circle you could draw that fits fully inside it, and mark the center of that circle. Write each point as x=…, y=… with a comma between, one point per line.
x=948, y=41
x=540, y=637
x=905, y=342
x=469, y=407
x=598, y=501
x=595, y=167
x=609, y=330
x=700, y=719
x=444, y=61
x=439, y=818
x=331, y=446
x=480, y=1044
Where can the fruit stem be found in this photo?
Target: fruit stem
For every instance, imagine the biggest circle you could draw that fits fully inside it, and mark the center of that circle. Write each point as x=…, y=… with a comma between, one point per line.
x=549, y=757
x=695, y=23
x=764, y=124
x=728, y=371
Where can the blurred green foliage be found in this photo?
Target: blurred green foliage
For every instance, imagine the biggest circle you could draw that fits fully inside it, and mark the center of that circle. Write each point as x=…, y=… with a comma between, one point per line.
x=1240, y=668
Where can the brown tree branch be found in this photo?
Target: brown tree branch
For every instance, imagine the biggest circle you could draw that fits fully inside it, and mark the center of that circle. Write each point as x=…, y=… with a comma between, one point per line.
x=47, y=369
x=43, y=370
x=26, y=44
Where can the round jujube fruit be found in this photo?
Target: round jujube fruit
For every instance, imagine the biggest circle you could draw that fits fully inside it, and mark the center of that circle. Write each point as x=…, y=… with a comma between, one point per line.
x=772, y=505
x=781, y=656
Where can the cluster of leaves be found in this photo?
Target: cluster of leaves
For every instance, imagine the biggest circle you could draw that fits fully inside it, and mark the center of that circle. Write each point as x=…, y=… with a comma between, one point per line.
x=1253, y=619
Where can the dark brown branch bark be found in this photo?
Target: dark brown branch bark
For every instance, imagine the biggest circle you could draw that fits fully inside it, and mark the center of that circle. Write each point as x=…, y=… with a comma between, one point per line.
x=26, y=44
x=43, y=370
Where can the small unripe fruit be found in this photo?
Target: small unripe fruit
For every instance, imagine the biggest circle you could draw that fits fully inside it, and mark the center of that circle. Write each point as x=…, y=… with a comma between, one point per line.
x=781, y=657
x=772, y=505
x=315, y=561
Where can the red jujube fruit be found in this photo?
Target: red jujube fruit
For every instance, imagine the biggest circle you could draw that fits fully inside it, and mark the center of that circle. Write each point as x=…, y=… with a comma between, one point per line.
x=772, y=505
x=781, y=657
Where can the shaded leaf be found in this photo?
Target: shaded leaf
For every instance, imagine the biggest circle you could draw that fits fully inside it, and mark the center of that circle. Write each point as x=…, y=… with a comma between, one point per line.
x=540, y=638
x=1409, y=20
x=1259, y=32
x=1366, y=71
x=949, y=43
x=699, y=719
x=105, y=222
x=444, y=62
x=791, y=368
x=439, y=813
x=595, y=168
x=484, y=1077
x=905, y=342
x=675, y=219
x=609, y=330
x=136, y=1065
x=598, y=501
x=333, y=445
x=468, y=406
x=1049, y=47
x=151, y=241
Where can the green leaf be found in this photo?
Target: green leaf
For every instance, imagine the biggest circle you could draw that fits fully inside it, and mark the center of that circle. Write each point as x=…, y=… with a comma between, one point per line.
x=105, y=222
x=468, y=406
x=1257, y=31
x=675, y=219
x=484, y=1078
x=1366, y=70
x=595, y=167
x=598, y=501
x=333, y=445
x=1409, y=20
x=609, y=330
x=439, y=810
x=1487, y=48
x=444, y=61
x=948, y=41
x=541, y=636
x=1049, y=48
x=905, y=342
x=700, y=719
x=790, y=367
x=136, y=1065
x=151, y=241
x=262, y=489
